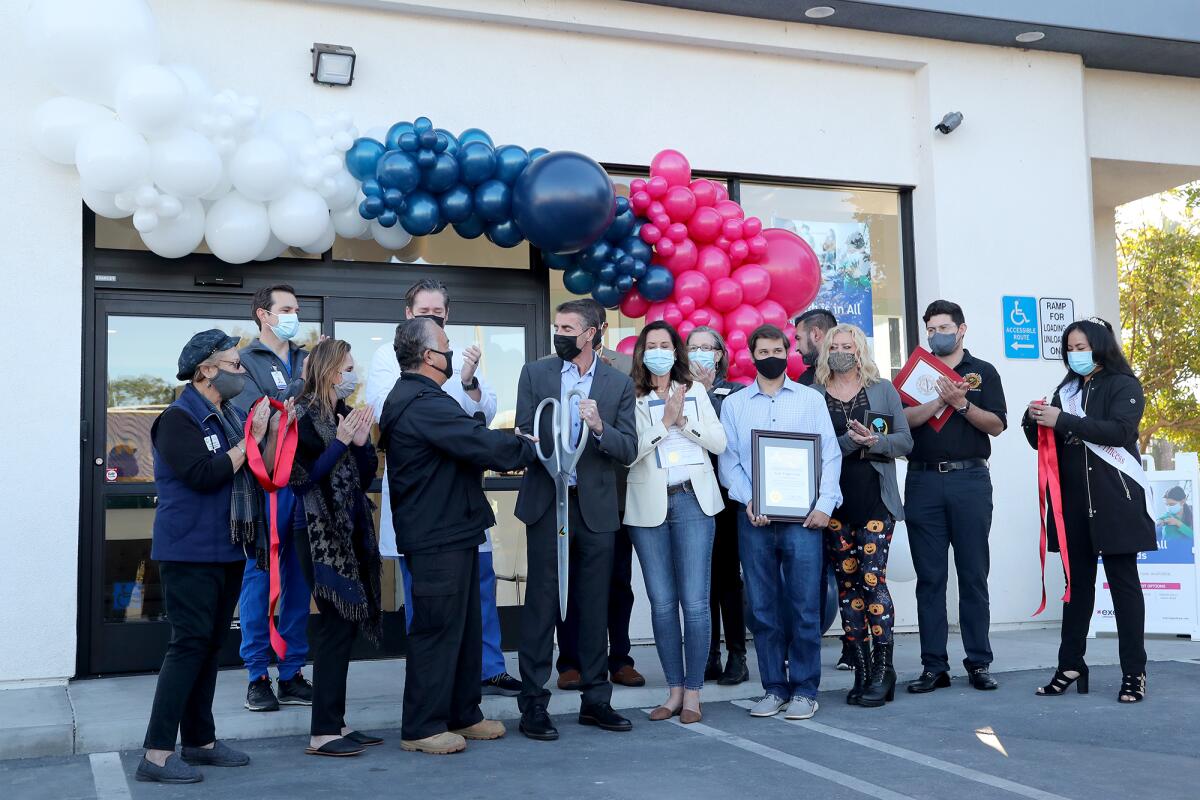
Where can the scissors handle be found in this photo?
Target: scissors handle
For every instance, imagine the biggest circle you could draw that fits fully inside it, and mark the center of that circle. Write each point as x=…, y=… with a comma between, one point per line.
x=573, y=450
x=555, y=431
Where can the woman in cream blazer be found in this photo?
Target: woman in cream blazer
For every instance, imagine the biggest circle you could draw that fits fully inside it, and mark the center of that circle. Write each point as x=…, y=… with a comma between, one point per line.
x=671, y=500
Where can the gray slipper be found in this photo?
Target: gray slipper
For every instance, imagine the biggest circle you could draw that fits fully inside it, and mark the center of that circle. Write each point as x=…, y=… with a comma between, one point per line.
x=173, y=771
x=219, y=755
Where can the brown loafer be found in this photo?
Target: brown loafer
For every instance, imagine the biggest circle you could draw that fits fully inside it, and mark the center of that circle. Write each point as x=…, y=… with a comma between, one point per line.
x=483, y=730
x=663, y=713
x=687, y=716
x=569, y=681
x=628, y=676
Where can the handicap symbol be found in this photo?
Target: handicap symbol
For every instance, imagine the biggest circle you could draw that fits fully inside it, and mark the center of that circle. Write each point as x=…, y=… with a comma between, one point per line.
x=1017, y=315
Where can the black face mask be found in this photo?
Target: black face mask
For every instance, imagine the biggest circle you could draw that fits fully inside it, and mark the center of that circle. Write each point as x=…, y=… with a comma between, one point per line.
x=566, y=347
x=439, y=321
x=447, y=370
x=771, y=367
x=597, y=340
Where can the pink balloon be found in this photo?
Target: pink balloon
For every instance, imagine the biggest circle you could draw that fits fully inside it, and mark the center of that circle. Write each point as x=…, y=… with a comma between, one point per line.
x=795, y=365
x=634, y=305
x=772, y=312
x=637, y=185
x=744, y=318
x=790, y=331
x=732, y=229
x=684, y=257
x=758, y=246
x=676, y=232
x=626, y=345
x=794, y=269
x=655, y=208
x=650, y=234
x=738, y=250
x=692, y=284
x=700, y=316
x=655, y=312
x=752, y=226
x=736, y=340
x=716, y=320
x=722, y=192
x=657, y=186
x=665, y=248
x=672, y=315
x=680, y=203
x=660, y=221
x=640, y=201
x=713, y=263
x=729, y=209
x=705, y=225
x=685, y=328
x=705, y=191
x=722, y=243
x=755, y=283
x=687, y=306
x=672, y=166
x=744, y=361
x=725, y=294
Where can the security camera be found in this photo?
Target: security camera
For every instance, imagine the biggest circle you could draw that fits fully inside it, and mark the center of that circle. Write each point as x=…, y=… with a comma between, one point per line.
x=949, y=122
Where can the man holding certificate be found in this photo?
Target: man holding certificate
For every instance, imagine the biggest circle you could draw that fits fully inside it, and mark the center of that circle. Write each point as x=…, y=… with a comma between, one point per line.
x=783, y=463
x=948, y=492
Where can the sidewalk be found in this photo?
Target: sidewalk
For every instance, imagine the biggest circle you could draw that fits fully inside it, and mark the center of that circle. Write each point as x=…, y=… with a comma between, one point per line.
x=110, y=714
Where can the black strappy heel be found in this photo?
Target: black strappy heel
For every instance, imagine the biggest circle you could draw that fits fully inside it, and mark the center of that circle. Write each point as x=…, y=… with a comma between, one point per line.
x=1060, y=683
x=1133, y=688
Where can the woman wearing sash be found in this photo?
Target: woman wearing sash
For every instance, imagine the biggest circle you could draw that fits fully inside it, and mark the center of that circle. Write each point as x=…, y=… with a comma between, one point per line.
x=1094, y=416
x=335, y=536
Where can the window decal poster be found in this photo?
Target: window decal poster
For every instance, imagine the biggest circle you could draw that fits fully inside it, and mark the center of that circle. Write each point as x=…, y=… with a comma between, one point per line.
x=844, y=251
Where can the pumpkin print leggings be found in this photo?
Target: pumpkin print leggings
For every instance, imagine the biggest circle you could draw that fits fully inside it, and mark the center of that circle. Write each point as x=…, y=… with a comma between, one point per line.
x=859, y=557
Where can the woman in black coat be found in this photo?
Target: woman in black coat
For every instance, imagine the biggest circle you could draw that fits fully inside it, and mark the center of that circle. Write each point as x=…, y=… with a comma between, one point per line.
x=1104, y=509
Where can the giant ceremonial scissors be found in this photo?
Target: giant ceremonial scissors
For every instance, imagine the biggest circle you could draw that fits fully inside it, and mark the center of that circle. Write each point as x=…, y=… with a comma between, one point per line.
x=560, y=463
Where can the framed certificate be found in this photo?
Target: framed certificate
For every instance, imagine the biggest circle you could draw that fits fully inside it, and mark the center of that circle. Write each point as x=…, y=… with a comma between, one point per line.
x=917, y=383
x=785, y=474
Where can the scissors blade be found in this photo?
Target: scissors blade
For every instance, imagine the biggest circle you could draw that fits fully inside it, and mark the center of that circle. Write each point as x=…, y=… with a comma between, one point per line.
x=563, y=544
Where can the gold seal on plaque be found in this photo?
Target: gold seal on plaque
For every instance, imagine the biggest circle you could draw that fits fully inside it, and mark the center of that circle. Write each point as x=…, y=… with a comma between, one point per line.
x=775, y=496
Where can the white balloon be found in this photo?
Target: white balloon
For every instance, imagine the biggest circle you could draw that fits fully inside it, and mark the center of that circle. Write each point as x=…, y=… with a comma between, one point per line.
x=169, y=206
x=237, y=228
x=104, y=203
x=299, y=218
x=223, y=187
x=58, y=124
x=196, y=85
x=123, y=200
x=83, y=47
x=323, y=242
x=342, y=141
x=150, y=99
x=349, y=224
x=185, y=164
x=179, y=236
x=345, y=192
x=261, y=169
x=272, y=251
x=292, y=129
x=145, y=220
x=146, y=196
x=112, y=157
x=393, y=238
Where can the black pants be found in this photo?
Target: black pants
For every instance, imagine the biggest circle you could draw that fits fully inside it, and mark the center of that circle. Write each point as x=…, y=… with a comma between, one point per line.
x=445, y=644
x=590, y=575
x=725, y=601
x=1124, y=583
x=944, y=510
x=620, y=609
x=331, y=642
x=199, y=599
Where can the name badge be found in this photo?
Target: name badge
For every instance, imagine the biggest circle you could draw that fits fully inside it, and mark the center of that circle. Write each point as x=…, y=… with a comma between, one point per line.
x=280, y=381
x=212, y=442
x=721, y=392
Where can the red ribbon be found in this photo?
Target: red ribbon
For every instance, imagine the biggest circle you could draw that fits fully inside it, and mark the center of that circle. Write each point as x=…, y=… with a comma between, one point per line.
x=285, y=453
x=1049, y=484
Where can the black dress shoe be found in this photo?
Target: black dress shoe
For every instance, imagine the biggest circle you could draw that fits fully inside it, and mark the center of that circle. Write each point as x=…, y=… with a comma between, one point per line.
x=712, y=670
x=358, y=737
x=929, y=681
x=736, y=671
x=981, y=677
x=536, y=724
x=602, y=716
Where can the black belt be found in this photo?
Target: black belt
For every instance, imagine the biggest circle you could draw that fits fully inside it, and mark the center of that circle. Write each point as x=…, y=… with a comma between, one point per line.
x=679, y=488
x=947, y=466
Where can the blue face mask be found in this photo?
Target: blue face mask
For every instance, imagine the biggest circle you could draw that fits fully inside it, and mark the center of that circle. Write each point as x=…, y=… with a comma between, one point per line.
x=1081, y=362
x=659, y=361
x=704, y=360
x=288, y=327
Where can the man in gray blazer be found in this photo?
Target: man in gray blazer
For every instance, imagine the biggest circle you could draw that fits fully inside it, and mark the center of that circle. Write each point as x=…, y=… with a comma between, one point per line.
x=606, y=417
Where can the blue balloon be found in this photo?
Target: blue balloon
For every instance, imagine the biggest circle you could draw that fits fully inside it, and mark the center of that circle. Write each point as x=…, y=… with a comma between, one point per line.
x=475, y=135
x=398, y=170
x=635, y=247
x=409, y=142
x=639, y=270
x=504, y=234
x=456, y=204
x=557, y=262
x=476, y=162
x=395, y=132
x=598, y=252
x=394, y=199
x=537, y=153
x=388, y=219
x=607, y=273
x=606, y=294
x=441, y=226
x=493, y=200
x=362, y=157
x=563, y=202
x=657, y=285
x=371, y=188
x=472, y=228
x=420, y=214
x=442, y=175
x=622, y=205
x=371, y=207
x=451, y=140
x=624, y=284
x=428, y=139
x=622, y=225
x=422, y=124
x=510, y=160
x=426, y=158
x=625, y=265
x=578, y=281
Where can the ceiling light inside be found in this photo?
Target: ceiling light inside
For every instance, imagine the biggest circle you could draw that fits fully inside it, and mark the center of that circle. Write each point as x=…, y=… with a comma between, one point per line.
x=819, y=12
x=1029, y=37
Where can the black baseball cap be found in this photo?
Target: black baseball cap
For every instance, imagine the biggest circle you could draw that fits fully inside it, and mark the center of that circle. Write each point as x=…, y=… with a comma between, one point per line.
x=200, y=347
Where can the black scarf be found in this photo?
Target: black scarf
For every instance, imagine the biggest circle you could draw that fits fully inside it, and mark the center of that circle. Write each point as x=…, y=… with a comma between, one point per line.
x=247, y=516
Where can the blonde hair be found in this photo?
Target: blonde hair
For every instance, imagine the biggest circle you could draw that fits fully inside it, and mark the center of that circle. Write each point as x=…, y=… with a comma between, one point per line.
x=866, y=365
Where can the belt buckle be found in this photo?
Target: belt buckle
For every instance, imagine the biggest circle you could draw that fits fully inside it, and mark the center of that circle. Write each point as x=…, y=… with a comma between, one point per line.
x=943, y=467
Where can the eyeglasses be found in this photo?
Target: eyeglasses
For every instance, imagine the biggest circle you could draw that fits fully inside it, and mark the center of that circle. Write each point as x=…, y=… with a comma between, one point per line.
x=235, y=364
x=702, y=348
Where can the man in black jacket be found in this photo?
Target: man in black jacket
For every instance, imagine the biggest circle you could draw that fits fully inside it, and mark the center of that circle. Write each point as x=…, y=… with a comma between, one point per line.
x=436, y=454
x=606, y=418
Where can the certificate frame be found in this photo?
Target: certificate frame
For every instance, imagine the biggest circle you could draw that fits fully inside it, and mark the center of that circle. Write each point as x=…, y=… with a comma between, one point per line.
x=810, y=445
x=920, y=356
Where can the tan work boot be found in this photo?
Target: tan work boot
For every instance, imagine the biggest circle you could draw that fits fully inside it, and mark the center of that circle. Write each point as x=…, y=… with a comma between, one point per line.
x=484, y=729
x=440, y=744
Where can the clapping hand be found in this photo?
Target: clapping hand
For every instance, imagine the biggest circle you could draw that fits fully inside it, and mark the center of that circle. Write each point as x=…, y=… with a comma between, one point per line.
x=470, y=362
x=355, y=427
x=860, y=434
x=673, y=410
x=260, y=419
x=952, y=393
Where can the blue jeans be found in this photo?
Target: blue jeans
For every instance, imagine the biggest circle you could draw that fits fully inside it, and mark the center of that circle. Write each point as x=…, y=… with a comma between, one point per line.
x=775, y=604
x=676, y=559
x=292, y=609
x=493, y=656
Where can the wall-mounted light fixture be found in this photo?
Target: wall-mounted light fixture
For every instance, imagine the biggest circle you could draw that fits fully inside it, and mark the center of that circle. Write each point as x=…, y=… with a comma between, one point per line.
x=949, y=122
x=333, y=64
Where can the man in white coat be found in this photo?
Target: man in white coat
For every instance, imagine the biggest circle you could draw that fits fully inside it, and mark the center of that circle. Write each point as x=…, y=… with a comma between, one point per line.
x=430, y=299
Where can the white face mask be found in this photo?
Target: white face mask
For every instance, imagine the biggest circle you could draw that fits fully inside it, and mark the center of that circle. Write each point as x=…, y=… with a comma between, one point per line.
x=288, y=327
x=346, y=386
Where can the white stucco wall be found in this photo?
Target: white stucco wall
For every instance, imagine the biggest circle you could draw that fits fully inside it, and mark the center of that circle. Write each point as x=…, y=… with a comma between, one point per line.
x=1002, y=206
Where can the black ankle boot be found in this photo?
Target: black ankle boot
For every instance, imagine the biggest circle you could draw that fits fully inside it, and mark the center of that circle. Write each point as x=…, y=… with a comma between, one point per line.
x=861, y=654
x=712, y=670
x=735, y=672
x=881, y=685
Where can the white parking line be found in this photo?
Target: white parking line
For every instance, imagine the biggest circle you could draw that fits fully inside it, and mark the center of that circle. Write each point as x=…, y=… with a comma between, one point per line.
x=109, y=777
x=919, y=758
x=795, y=762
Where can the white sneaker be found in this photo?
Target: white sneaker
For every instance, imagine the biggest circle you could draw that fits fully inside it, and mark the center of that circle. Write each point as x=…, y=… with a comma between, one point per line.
x=769, y=706
x=801, y=708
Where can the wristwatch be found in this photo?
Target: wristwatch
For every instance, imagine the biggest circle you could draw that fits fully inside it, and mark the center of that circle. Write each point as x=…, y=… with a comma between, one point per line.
x=964, y=409
x=472, y=386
